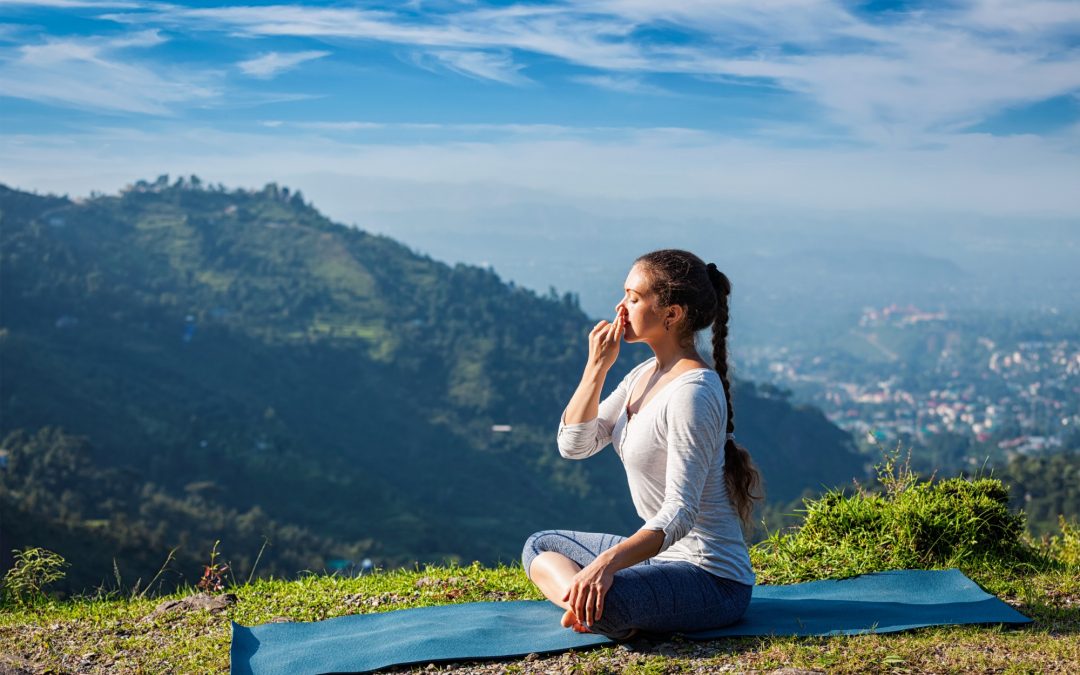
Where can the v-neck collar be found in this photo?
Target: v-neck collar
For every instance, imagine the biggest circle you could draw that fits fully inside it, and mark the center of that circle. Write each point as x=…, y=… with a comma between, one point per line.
x=633, y=386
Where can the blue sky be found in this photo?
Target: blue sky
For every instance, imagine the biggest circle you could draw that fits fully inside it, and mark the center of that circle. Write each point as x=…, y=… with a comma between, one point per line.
x=937, y=108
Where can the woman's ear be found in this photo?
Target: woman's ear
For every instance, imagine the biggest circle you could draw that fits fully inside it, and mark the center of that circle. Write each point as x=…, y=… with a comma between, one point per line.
x=675, y=314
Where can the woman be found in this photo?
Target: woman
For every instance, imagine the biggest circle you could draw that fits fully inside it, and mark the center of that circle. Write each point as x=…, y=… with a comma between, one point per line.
x=670, y=421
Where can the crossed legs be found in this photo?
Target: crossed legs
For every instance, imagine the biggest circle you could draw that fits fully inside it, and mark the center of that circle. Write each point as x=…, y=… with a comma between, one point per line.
x=652, y=596
x=551, y=559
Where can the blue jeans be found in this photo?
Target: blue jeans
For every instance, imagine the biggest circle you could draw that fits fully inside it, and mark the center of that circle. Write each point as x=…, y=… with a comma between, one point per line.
x=655, y=596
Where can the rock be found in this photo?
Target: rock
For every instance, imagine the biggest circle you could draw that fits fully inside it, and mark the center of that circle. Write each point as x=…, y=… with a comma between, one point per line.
x=499, y=595
x=211, y=603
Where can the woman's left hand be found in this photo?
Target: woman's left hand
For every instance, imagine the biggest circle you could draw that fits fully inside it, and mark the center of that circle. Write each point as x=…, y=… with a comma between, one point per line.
x=587, y=591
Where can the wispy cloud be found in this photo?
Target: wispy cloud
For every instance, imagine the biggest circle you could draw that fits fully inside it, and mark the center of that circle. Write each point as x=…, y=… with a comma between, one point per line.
x=559, y=31
x=266, y=66
x=325, y=126
x=89, y=73
x=143, y=38
x=889, y=78
x=347, y=126
x=1031, y=16
x=73, y=4
x=479, y=65
x=625, y=84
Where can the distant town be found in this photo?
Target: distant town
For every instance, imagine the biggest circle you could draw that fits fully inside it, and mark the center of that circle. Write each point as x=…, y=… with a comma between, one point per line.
x=1002, y=386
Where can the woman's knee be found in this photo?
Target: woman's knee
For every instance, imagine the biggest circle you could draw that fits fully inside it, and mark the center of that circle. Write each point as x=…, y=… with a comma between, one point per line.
x=534, y=546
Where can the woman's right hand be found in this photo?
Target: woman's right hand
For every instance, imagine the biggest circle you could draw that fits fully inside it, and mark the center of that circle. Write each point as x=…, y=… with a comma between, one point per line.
x=604, y=341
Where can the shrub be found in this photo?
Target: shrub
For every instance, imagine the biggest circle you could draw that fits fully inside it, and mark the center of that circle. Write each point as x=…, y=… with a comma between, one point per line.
x=907, y=524
x=34, y=569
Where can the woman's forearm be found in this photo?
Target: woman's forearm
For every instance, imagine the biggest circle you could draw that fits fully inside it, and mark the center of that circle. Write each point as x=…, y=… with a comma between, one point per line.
x=585, y=403
x=642, y=545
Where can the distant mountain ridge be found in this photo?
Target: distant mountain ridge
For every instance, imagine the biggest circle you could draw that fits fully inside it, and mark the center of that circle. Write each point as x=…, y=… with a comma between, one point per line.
x=227, y=363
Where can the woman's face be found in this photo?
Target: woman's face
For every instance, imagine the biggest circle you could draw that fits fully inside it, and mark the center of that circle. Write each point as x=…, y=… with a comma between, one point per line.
x=638, y=309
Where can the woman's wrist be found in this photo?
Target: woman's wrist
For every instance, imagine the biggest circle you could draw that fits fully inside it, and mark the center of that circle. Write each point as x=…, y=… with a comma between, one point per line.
x=609, y=559
x=643, y=545
x=594, y=374
x=622, y=555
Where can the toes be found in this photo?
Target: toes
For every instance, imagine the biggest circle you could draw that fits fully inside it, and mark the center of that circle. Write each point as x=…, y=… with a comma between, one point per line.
x=568, y=619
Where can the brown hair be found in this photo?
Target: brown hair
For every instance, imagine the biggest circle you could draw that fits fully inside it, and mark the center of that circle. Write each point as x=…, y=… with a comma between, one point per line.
x=679, y=277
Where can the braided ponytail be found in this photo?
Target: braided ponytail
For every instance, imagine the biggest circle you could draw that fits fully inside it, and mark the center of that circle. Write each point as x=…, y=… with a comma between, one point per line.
x=741, y=476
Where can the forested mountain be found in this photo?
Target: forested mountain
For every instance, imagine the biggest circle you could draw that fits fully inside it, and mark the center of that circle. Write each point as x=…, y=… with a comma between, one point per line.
x=182, y=363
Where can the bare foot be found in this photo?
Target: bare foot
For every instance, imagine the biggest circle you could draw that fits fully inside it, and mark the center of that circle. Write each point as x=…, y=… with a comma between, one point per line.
x=569, y=620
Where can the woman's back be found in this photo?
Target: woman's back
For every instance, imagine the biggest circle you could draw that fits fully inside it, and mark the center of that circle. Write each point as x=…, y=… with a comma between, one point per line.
x=687, y=416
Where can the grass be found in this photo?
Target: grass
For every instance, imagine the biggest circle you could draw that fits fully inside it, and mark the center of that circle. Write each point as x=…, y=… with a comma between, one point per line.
x=109, y=634
x=905, y=523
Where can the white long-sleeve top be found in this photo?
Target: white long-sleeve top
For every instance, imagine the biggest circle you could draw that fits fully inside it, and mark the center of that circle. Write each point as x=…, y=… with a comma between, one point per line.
x=673, y=452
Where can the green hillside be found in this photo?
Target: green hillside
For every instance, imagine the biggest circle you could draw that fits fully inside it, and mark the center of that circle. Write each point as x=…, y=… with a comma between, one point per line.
x=184, y=363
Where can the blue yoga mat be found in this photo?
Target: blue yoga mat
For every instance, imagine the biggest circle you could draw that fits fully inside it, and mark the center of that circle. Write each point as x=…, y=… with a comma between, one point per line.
x=881, y=602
